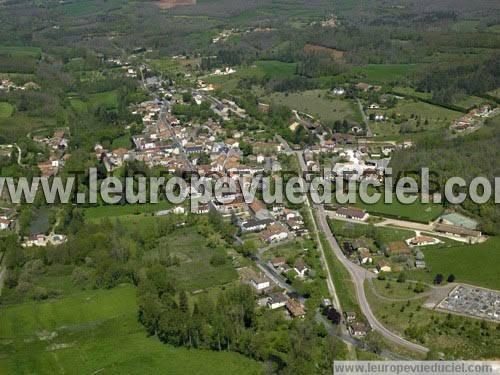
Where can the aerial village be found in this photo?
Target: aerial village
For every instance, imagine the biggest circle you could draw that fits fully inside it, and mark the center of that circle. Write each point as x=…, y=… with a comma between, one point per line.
x=209, y=149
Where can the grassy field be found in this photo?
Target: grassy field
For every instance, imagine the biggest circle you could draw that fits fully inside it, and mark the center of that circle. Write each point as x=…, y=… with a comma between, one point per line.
x=472, y=264
x=124, y=141
x=384, y=73
x=97, y=332
x=467, y=102
x=344, y=286
x=108, y=99
x=455, y=336
x=393, y=289
x=417, y=211
x=55, y=278
x=349, y=230
x=317, y=104
x=195, y=270
x=464, y=101
x=22, y=51
x=19, y=124
x=78, y=104
x=413, y=212
x=6, y=110
x=100, y=212
x=408, y=91
x=417, y=116
x=270, y=68
x=259, y=70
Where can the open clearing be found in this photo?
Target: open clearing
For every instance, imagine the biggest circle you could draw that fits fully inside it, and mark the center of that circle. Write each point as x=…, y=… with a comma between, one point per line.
x=107, y=99
x=417, y=117
x=166, y=4
x=20, y=51
x=383, y=73
x=100, y=212
x=97, y=332
x=6, y=109
x=472, y=264
x=456, y=336
x=317, y=104
x=417, y=211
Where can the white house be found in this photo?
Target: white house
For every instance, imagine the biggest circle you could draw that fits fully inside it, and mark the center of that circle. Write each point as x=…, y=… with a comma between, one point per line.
x=276, y=301
x=4, y=223
x=259, y=283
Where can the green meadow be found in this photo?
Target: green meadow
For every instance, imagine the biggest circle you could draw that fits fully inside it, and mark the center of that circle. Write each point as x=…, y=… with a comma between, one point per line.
x=100, y=212
x=6, y=110
x=107, y=99
x=382, y=74
x=98, y=332
x=416, y=211
x=471, y=264
x=195, y=270
x=318, y=104
x=418, y=116
x=20, y=51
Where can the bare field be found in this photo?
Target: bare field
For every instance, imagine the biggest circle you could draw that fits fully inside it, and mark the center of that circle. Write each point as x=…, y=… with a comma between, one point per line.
x=166, y=4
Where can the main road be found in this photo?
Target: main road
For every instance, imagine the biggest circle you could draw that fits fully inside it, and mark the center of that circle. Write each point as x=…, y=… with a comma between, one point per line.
x=369, y=132
x=358, y=276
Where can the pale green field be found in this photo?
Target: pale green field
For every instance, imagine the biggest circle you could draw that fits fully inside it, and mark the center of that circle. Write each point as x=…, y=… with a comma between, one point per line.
x=317, y=104
x=431, y=118
x=6, y=110
x=97, y=332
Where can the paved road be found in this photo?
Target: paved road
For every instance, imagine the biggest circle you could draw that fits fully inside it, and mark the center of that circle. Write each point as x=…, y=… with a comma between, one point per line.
x=369, y=132
x=163, y=118
x=348, y=339
x=359, y=275
x=271, y=273
x=19, y=154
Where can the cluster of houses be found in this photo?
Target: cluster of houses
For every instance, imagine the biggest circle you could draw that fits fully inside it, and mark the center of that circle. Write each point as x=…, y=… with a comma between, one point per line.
x=223, y=72
x=473, y=118
x=299, y=267
x=273, y=225
x=392, y=257
x=271, y=296
x=42, y=240
x=58, y=145
x=7, y=85
x=356, y=165
x=6, y=219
